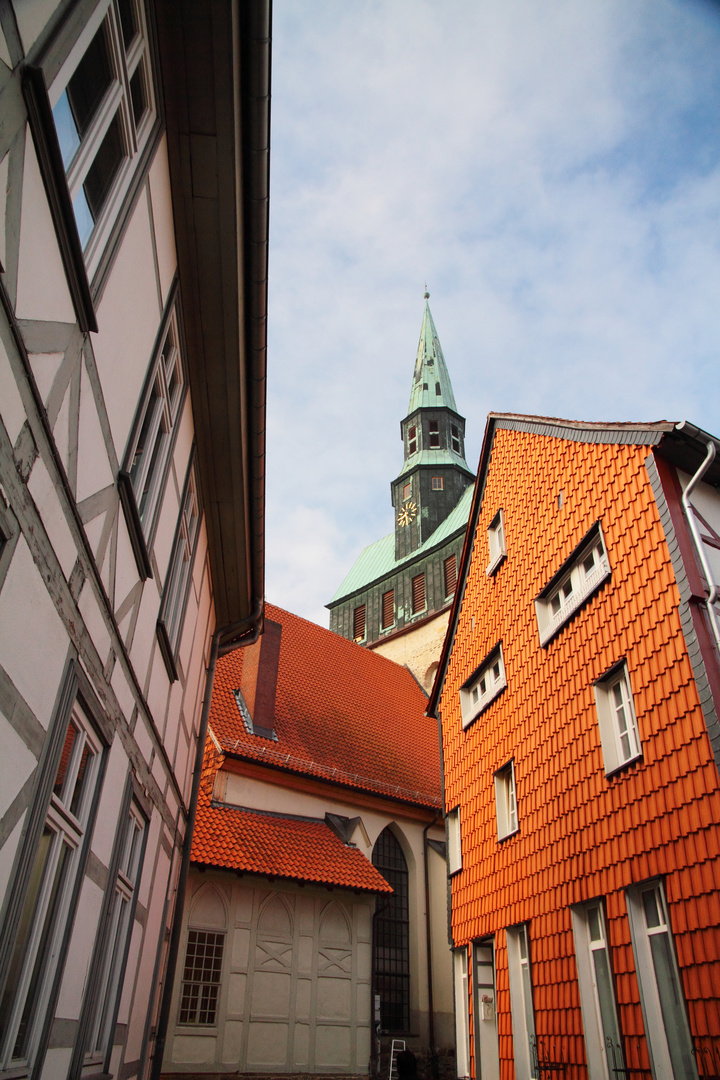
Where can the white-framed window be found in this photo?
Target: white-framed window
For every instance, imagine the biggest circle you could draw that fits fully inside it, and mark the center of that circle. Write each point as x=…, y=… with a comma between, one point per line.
x=117, y=936
x=521, y=1002
x=496, y=542
x=661, y=993
x=103, y=106
x=483, y=686
x=202, y=975
x=580, y=576
x=603, y=1042
x=462, y=1012
x=454, y=841
x=619, y=732
x=506, y=801
x=148, y=452
x=177, y=580
x=47, y=904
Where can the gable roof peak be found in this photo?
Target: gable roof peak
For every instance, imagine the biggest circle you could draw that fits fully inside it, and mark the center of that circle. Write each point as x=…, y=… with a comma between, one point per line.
x=431, y=386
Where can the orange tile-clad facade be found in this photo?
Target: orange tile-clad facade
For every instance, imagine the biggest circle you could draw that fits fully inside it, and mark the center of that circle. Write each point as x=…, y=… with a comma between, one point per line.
x=581, y=834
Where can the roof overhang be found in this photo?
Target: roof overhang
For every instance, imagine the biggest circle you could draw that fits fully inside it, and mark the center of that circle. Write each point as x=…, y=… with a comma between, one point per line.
x=215, y=77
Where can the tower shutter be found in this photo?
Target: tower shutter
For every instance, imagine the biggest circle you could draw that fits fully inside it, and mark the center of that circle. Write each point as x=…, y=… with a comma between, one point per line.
x=359, y=623
x=418, y=593
x=388, y=608
x=450, y=570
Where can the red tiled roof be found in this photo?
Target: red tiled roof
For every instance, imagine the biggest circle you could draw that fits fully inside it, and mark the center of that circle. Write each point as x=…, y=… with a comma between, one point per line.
x=261, y=843
x=341, y=713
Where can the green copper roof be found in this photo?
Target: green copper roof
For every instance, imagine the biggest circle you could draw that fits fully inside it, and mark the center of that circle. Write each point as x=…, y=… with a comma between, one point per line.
x=434, y=457
x=378, y=560
x=431, y=384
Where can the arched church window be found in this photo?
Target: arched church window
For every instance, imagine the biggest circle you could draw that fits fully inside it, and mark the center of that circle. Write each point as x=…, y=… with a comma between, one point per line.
x=392, y=936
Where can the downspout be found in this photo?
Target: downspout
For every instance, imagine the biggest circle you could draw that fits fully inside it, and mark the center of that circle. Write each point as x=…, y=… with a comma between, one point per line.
x=428, y=940
x=697, y=540
x=235, y=636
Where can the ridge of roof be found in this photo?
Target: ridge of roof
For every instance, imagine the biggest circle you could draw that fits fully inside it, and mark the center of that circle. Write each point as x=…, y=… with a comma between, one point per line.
x=377, y=561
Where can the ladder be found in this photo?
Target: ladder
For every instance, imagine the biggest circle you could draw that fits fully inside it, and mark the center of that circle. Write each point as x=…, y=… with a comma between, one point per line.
x=397, y=1046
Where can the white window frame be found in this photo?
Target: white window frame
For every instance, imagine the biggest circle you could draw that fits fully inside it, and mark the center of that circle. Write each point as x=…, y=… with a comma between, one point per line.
x=599, y=1009
x=48, y=914
x=454, y=841
x=496, y=543
x=619, y=732
x=179, y=573
x=462, y=1012
x=156, y=421
x=116, y=938
x=580, y=576
x=521, y=1001
x=666, y=1023
x=116, y=101
x=506, y=801
x=483, y=686
x=204, y=985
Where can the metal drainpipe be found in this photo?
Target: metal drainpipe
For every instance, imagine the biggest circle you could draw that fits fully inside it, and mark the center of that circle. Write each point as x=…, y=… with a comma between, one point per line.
x=428, y=939
x=252, y=633
x=697, y=540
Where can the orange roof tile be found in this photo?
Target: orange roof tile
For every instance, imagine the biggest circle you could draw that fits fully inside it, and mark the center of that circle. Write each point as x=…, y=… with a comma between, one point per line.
x=276, y=845
x=342, y=713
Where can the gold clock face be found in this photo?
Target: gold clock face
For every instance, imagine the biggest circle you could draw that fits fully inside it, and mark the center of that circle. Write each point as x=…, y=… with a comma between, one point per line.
x=407, y=514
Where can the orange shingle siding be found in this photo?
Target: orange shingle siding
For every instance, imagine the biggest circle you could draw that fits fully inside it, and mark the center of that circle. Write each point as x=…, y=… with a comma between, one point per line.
x=581, y=835
x=278, y=846
x=341, y=712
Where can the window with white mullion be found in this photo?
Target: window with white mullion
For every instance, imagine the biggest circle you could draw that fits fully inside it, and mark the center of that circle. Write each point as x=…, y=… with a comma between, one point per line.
x=598, y=1001
x=46, y=907
x=626, y=730
x=575, y=583
x=619, y=732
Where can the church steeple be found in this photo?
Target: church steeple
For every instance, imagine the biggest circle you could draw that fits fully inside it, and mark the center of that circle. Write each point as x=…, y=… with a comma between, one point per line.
x=435, y=472
x=431, y=384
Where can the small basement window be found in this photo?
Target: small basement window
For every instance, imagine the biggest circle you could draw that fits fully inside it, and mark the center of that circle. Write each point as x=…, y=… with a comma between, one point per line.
x=483, y=686
x=580, y=576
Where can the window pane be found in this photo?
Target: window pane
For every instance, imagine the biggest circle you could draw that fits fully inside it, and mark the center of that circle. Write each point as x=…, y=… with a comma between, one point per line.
x=90, y=81
x=671, y=1004
x=66, y=129
x=606, y=997
x=65, y=758
x=104, y=168
x=26, y=921
x=128, y=21
x=42, y=954
x=137, y=95
x=84, y=771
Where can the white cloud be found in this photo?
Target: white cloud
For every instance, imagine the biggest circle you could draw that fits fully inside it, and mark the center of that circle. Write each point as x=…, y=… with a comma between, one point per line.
x=551, y=169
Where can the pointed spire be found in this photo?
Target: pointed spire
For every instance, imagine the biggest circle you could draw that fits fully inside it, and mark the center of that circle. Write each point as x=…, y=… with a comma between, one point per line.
x=431, y=386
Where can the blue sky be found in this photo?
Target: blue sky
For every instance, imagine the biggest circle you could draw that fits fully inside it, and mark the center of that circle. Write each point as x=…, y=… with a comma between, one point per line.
x=552, y=170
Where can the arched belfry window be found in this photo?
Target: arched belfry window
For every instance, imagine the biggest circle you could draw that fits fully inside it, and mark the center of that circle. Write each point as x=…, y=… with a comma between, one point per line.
x=392, y=936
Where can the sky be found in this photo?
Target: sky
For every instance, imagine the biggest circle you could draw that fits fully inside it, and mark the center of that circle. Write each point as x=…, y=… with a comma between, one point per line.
x=552, y=172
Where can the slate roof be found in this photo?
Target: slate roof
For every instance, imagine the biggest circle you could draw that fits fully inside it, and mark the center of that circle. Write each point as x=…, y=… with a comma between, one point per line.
x=236, y=838
x=377, y=561
x=342, y=713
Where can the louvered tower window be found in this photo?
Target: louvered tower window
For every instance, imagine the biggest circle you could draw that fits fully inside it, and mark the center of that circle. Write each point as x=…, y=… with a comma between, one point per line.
x=450, y=574
x=418, y=593
x=392, y=937
x=359, y=623
x=388, y=608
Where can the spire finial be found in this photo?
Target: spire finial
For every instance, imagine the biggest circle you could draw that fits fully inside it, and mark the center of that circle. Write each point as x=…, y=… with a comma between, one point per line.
x=426, y=294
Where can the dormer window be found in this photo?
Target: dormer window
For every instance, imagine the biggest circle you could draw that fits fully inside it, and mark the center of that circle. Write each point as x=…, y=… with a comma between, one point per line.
x=434, y=433
x=576, y=581
x=455, y=438
x=483, y=686
x=412, y=439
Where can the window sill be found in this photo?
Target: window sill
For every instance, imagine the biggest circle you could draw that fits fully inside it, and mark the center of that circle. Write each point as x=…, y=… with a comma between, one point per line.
x=485, y=705
x=617, y=770
x=508, y=836
x=167, y=651
x=134, y=525
x=553, y=627
x=496, y=564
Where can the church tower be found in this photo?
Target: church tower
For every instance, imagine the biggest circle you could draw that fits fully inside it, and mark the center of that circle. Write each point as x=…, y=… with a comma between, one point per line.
x=396, y=598
x=434, y=473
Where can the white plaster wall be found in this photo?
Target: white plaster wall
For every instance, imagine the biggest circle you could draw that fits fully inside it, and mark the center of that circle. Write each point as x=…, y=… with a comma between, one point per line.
x=419, y=650
x=707, y=501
